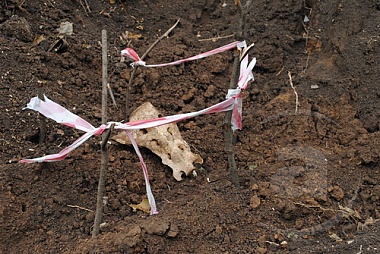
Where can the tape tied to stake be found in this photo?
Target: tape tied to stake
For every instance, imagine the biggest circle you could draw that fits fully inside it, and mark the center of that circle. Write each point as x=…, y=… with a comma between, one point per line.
x=132, y=55
x=61, y=115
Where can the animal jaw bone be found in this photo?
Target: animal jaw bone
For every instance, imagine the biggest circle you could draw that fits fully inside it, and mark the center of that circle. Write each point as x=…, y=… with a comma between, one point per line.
x=165, y=141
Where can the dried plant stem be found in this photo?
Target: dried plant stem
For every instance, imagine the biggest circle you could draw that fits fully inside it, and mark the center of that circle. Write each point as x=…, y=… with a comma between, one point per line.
x=294, y=90
x=85, y=6
x=105, y=137
x=128, y=95
x=81, y=208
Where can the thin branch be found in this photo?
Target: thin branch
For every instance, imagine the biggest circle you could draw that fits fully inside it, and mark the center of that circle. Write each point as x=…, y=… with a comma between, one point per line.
x=105, y=137
x=111, y=94
x=81, y=208
x=214, y=39
x=128, y=95
x=294, y=90
x=228, y=133
x=85, y=6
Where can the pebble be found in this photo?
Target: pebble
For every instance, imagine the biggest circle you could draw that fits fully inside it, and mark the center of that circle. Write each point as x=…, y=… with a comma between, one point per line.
x=336, y=192
x=255, y=201
x=261, y=250
x=210, y=91
x=173, y=231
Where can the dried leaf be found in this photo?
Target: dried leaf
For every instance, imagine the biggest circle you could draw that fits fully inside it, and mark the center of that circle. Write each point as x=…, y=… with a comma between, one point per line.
x=143, y=206
x=65, y=28
x=38, y=39
x=134, y=36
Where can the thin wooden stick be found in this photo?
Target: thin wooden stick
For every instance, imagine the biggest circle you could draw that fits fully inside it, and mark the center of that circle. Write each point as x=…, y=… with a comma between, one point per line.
x=128, y=95
x=228, y=133
x=105, y=136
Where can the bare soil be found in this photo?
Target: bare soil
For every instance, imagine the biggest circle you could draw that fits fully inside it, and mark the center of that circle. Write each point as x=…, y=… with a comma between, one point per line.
x=310, y=179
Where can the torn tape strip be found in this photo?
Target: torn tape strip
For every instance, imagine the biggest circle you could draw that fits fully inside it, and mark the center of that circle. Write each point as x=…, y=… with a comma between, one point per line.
x=152, y=202
x=59, y=114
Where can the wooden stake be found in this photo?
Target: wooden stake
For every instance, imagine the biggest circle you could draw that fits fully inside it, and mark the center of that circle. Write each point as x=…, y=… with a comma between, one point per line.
x=105, y=137
x=229, y=137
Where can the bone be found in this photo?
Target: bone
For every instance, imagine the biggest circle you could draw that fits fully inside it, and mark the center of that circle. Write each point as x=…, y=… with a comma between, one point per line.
x=165, y=141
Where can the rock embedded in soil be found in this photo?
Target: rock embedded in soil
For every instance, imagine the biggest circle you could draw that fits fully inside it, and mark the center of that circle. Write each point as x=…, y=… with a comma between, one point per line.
x=173, y=230
x=255, y=201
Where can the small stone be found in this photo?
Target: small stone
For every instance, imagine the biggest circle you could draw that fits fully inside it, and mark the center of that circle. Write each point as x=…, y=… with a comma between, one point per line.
x=173, y=231
x=90, y=217
x=65, y=238
x=336, y=192
x=218, y=230
x=189, y=95
x=254, y=187
x=261, y=250
x=255, y=201
x=210, y=91
x=314, y=86
x=261, y=240
x=264, y=189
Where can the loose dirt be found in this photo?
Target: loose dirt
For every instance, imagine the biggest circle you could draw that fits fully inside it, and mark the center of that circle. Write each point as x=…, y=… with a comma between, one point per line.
x=309, y=178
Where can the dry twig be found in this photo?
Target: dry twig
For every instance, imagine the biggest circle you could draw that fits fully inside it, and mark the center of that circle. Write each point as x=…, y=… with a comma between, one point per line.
x=214, y=39
x=85, y=6
x=294, y=89
x=228, y=133
x=81, y=208
x=105, y=137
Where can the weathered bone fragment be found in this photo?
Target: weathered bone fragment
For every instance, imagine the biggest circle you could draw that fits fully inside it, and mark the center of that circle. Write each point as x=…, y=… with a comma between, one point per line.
x=165, y=141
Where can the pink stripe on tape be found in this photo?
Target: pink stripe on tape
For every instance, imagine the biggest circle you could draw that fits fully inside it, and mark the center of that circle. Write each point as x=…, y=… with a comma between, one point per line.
x=58, y=113
x=131, y=54
x=152, y=202
x=63, y=154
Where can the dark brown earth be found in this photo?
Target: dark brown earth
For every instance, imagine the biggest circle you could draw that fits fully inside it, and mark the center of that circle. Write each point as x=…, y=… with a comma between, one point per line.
x=310, y=180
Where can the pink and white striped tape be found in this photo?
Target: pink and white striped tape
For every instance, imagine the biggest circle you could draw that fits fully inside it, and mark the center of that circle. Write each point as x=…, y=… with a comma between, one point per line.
x=61, y=115
x=132, y=55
